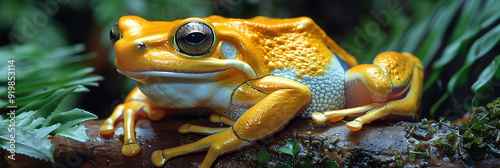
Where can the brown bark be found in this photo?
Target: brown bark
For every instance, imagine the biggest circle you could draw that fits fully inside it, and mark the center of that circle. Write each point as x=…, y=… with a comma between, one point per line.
x=373, y=146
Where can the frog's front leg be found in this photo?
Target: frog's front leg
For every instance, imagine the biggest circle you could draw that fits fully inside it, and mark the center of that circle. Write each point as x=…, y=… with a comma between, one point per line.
x=392, y=85
x=285, y=97
x=135, y=105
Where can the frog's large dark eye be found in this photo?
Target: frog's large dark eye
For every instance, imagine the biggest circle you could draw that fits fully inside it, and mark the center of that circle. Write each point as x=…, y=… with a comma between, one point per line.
x=195, y=38
x=114, y=34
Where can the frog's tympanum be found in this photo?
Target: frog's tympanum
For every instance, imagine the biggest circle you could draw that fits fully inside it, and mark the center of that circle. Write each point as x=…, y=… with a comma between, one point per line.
x=254, y=75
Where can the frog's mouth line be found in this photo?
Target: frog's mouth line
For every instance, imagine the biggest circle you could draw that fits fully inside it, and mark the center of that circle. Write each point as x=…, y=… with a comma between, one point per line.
x=176, y=74
x=224, y=66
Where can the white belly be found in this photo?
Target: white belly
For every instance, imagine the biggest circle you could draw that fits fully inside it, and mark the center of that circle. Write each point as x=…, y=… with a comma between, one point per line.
x=185, y=93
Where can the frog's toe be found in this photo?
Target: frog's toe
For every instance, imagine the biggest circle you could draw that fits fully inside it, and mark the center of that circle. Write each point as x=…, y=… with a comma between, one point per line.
x=217, y=118
x=157, y=158
x=318, y=118
x=107, y=129
x=190, y=128
x=335, y=119
x=184, y=128
x=354, y=125
x=131, y=150
x=156, y=115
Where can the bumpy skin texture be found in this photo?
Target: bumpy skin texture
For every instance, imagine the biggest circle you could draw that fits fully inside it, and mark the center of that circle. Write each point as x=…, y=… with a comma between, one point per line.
x=256, y=75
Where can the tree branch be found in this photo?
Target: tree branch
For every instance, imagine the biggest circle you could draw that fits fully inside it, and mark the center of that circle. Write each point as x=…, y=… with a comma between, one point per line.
x=374, y=145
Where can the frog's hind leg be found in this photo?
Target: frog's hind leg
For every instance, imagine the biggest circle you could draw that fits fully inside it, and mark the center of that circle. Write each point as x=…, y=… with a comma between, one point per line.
x=392, y=85
x=215, y=118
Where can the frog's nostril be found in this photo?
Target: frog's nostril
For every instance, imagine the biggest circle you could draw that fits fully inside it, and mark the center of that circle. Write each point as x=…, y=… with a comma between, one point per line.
x=114, y=34
x=141, y=46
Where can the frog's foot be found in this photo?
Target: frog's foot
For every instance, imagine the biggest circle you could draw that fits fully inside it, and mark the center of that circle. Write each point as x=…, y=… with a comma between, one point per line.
x=126, y=112
x=337, y=115
x=215, y=118
x=217, y=144
x=390, y=86
x=129, y=111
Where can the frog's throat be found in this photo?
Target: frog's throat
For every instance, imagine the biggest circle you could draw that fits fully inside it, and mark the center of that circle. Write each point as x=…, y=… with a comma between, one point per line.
x=223, y=67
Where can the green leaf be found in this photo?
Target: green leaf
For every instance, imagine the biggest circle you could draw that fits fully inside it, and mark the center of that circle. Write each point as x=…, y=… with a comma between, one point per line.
x=452, y=50
x=89, y=81
x=398, y=159
x=490, y=14
x=46, y=77
x=483, y=45
x=449, y=53
x=445, y=149
x=21, y=117
x=46, y=106
x=76, y=133
x=36, y=96
x=25, y=143
x=43, y=133
x=30, y=98
x=417, y=32
x=332, y=165
x=433, y=40
x=443, y=121
x=451, y=136
x=484, y=80
x=420, y=146
x=80, y=77
x=286, y=164
x=397, y=155
x=61, y=52
x=81, y=73
x=34, y=124
x=468, y=18
x=69, y=118
x=291, y=148
x=26, y=121
x=3, y=103
x=263, y=157
x=307, y=165
x=421, y=154
x=35, y=62
x=479, y=48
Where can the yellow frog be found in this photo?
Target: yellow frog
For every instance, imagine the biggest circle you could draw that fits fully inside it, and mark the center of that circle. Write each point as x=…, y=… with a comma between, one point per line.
x=255, y=75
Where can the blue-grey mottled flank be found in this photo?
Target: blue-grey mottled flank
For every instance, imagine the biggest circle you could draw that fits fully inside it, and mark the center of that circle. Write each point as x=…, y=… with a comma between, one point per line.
x=327, y=91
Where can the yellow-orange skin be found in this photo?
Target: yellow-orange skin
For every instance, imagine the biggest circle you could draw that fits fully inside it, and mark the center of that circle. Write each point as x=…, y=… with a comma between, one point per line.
x=274, y=45
x=263, y=45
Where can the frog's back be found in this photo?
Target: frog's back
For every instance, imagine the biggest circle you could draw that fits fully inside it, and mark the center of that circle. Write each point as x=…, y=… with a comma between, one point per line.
x=296, y=43
x=299, y=50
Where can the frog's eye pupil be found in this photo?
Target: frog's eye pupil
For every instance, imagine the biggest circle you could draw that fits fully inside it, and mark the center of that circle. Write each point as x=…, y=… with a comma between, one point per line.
x=194, y=38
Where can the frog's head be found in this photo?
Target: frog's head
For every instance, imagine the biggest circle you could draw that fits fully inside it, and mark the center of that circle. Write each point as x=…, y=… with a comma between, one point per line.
x=188, y=48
